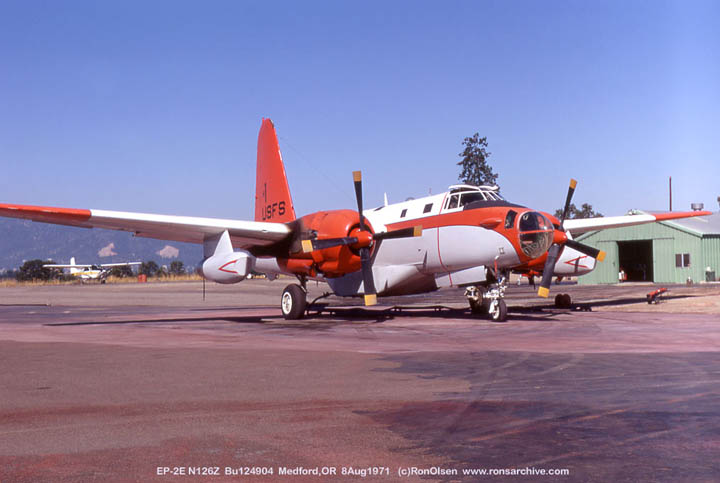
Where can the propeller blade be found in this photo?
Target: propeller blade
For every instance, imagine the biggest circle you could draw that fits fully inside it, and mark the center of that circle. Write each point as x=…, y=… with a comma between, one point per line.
x=553, y=255
x=368, y=282
x=599, y=255
x=401, y=233
x=312, y=245
x=571, y=191
x=357, y=179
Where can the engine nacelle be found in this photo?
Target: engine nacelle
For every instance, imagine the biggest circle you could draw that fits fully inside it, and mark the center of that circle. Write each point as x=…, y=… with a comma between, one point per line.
x=339, y=260
x=230, y=267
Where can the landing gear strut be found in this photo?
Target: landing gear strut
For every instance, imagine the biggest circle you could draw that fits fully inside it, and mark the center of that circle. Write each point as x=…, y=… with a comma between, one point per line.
x=489, y=299
x=294, y=300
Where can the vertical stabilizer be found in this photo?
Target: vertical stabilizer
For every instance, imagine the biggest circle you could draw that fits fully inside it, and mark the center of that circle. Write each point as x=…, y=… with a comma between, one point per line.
x=73, y=270
x=272, y=193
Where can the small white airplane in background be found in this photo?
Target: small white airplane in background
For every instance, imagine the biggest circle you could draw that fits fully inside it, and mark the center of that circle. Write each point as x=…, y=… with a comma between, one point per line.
x=90, y=272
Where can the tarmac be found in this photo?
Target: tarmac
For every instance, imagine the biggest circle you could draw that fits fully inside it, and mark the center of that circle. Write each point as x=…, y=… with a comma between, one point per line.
x=149, y=382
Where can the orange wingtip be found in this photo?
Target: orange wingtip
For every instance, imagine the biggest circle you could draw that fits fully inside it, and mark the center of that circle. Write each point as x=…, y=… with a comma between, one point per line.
x=680, y=214
x=573, y=183
x=357, y=176
x=370, y=299
x=543, y=292
x=44, y=213
x=601, y=256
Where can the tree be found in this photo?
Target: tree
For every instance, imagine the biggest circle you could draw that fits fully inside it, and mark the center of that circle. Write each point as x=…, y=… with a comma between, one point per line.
x=34, y=270
x=585, y=211
x=149, y=268
x=121, y=271
x=177, y=268
x=475, y=168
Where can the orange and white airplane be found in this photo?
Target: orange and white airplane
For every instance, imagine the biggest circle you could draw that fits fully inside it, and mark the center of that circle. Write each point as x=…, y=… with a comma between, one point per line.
x=90, y=272
x=468, y=237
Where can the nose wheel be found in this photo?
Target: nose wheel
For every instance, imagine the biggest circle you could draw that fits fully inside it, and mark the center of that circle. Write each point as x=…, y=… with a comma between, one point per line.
x=293, y=302
x=489, y=300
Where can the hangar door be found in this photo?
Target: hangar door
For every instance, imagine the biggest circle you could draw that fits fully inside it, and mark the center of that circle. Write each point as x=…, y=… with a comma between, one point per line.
x=636, y=258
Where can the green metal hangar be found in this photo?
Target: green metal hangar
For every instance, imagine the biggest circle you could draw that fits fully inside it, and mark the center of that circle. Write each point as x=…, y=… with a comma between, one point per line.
x=664, y=252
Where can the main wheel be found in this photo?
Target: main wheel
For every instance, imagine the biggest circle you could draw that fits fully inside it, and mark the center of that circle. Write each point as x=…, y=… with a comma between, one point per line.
x=499, y=312
x=293, y=302
x=563, y=301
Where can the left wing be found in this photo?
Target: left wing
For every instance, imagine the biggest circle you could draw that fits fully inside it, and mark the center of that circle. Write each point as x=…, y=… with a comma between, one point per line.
x=244, y=234
x=575, y=227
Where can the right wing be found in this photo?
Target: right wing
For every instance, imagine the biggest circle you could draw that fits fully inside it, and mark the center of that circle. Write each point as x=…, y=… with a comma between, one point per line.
x=582, y=225
x=244, y=234
x=124, y=264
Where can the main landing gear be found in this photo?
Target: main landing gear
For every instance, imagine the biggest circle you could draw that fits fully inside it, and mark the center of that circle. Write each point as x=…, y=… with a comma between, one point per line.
x=294, y=300
x=489, y=299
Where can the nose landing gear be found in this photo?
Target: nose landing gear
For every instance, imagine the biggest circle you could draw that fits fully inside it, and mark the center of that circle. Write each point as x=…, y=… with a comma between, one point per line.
x=488, y=299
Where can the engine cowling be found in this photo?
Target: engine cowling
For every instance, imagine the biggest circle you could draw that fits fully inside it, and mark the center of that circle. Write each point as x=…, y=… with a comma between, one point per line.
x=232, y=267
x=339, y=260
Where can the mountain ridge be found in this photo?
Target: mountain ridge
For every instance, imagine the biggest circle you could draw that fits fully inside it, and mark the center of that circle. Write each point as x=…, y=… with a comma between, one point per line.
x=22, y=240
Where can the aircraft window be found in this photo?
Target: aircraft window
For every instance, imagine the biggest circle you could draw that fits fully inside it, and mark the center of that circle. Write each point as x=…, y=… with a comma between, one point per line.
x=453, y=202
x=427, y=208
x=536, y=234
x=468, y=198
x=510, y=219
x=403, y=213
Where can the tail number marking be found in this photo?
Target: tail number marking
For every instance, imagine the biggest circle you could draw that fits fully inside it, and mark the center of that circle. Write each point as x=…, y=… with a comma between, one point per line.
x=272, y=209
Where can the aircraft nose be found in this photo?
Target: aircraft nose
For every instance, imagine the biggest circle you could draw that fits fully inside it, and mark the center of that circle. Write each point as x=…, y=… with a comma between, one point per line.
x=536, y=233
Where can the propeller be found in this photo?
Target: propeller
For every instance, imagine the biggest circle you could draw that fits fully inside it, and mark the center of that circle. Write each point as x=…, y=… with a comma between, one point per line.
x=562, y=240
x=366, y=238
x=368, y=281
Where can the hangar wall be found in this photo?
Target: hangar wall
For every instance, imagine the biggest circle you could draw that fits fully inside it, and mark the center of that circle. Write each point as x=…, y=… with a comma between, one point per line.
x=667, y=242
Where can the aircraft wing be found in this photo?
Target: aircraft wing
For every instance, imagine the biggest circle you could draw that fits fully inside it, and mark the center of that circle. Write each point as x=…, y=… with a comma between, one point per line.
x=53, y=265
x=125, y=264
x=575, y=227
x=244, y=234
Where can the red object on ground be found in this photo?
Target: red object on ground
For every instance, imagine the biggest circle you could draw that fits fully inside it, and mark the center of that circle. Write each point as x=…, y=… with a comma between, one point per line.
x=652, y=296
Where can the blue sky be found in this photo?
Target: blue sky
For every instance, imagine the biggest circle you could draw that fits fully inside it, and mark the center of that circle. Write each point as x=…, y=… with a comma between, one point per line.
x=155, y=106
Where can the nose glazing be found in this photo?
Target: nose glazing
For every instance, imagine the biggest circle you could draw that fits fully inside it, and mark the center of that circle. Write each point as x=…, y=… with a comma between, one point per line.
x=535, y=232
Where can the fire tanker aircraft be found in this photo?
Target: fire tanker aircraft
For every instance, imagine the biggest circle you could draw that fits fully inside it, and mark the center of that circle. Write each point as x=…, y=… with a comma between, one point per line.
x=467, y=237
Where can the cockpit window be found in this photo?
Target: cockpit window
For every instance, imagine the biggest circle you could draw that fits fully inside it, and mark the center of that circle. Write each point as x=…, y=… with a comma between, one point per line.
x=468, y=198
x=510, y=219
x=453, y=202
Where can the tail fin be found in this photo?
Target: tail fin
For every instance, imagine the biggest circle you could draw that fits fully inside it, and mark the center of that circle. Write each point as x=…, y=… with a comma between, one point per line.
x=272, y=193
x=72, y=269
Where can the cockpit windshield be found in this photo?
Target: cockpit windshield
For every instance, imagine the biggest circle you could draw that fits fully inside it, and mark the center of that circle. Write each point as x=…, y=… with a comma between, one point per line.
x=461, y=195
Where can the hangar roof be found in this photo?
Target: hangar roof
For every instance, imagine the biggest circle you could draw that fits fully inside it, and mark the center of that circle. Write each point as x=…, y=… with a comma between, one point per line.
x=702, y=225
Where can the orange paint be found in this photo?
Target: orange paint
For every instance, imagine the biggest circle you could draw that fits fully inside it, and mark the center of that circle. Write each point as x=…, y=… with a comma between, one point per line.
x=272, y=194
x=679, y=214
x=64, y=216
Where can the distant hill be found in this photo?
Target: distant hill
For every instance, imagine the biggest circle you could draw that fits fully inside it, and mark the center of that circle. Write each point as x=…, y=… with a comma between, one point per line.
x=22, y=240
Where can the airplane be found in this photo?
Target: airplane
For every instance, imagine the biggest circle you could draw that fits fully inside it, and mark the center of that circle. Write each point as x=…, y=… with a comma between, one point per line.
x=90, y=272
x=468, y=237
